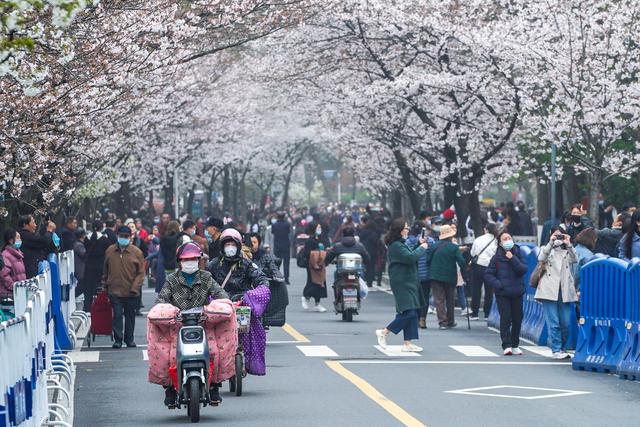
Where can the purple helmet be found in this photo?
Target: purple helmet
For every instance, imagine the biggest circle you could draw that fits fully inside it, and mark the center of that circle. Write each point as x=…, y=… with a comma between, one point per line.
x=188, y=250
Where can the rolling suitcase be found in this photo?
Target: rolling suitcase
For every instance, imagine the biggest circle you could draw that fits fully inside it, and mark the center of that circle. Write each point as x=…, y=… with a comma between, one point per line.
x=101, y=317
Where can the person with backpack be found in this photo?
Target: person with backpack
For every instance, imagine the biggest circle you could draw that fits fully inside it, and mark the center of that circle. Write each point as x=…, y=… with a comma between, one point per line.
x=482, y=251
x=442, y=258
x=505, y=275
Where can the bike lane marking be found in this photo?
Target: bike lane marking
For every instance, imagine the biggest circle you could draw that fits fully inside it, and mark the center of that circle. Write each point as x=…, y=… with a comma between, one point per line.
x=372, y=393
x=295, y=334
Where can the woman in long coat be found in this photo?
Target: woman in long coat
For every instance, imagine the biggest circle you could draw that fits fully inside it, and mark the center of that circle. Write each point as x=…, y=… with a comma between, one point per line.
x=316, y=286
x=403, y=277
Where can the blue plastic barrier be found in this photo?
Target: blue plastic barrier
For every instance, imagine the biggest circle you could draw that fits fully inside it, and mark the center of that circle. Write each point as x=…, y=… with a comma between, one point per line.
x=604, y=308
x=629, y=366
x=61, y=328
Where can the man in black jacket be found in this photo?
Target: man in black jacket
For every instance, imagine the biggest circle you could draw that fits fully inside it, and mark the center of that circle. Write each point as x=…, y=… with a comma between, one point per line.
x=281, y=230
x=35, y=247
x=67, y=234
x=347, y=245
x=212, y=232
x=110, y=231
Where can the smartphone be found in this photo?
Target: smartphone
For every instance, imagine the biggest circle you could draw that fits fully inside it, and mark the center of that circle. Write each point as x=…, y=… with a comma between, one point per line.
x=424, y=233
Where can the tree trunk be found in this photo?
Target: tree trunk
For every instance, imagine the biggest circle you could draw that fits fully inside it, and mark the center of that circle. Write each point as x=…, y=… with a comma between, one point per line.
x=397, y=203
x=543, y=205
x=408, y=183
x=595, y=187
x=168, y=195
x=226, y=193
x=234, y=192
x=243, y=196
x=285, y=192
x=190, y=197
x=450, y=191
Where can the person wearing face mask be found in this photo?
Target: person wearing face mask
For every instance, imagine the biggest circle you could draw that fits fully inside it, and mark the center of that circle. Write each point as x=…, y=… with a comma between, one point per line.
x=13, y=269
x=122, y=278
x=556, y=289
x=190, y=287
x=212, y=233
x=630, y=243
x=505, y=275
x=405, y=284
x=188, y=232
x=239, y=276
x=578, y=222
x=316, y=286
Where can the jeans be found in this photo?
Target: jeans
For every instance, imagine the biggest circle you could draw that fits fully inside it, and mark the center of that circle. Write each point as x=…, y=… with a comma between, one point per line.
x=286, y=259
x=477, y=281
x=510, y=309
x=124, y=306
x=426, y=288
x=407, y=322
x=443, y=294
x=557, y=314
x=462, y=297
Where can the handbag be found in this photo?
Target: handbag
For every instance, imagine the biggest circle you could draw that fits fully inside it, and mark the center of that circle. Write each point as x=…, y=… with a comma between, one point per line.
x=301, y=260
x=537, y=273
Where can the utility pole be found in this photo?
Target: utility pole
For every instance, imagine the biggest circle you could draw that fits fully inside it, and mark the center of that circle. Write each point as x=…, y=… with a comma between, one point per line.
x=554, y=150
x=339, y=188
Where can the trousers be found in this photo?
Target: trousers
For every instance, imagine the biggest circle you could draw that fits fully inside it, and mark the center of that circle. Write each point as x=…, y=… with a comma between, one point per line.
x=124, y=308
x=407, y=322
x=444, y=297
x=510, y=309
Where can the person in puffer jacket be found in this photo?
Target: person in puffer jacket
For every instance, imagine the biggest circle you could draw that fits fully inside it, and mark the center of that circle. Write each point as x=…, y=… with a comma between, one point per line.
x=423, y=269
x=505, y=275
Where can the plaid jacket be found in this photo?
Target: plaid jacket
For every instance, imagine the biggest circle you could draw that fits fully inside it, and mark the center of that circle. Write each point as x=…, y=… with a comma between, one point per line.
x=177, y=293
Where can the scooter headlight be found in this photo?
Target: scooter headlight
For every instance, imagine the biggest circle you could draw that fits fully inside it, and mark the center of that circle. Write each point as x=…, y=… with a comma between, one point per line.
x=192, y=335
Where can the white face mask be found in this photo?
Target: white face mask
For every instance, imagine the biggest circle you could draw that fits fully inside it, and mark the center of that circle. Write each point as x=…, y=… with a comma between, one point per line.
x=230, y=251
x=189, y=267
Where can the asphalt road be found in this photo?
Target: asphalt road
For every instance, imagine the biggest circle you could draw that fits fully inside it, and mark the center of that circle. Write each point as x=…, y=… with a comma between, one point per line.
x=322, y=371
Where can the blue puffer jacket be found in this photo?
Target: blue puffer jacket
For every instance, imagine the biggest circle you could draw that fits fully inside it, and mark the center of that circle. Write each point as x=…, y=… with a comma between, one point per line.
x=423, y=268
x=506, y=276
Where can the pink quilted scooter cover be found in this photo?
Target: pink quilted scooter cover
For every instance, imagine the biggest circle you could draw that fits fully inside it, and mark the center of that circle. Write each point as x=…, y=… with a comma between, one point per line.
x=222, y=336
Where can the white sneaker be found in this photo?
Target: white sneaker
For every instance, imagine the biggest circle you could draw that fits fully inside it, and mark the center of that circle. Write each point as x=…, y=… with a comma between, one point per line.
x=465, y=312
x=508, y=351
x=305, y=303
x=412, y=348
x=516, y=351
x=319, y=308
x=560, y=355
x=431, y=310
x=382, y=338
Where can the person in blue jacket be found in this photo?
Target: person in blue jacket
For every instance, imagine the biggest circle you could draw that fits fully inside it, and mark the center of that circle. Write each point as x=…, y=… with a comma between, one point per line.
x=505, y=275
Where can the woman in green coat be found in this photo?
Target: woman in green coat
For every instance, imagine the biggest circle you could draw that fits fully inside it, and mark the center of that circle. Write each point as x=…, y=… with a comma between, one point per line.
x=403, y=277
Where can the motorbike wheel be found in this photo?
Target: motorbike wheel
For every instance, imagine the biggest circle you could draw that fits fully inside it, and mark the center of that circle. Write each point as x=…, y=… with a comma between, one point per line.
x=347, y=316
x=232, y=385
x=194, y=400
x=239, y=374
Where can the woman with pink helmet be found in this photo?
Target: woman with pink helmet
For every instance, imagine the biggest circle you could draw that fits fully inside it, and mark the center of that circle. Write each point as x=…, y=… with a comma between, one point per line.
x=186, y=288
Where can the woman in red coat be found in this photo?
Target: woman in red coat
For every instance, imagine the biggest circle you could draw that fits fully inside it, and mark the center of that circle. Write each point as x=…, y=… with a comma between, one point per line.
x=13, y=270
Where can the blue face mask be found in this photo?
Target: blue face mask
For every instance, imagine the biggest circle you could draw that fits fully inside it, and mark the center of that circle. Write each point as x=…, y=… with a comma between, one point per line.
x=17, y=244
x=56, y=239
x=207, y=235
x=508, y=245
x=123, y=241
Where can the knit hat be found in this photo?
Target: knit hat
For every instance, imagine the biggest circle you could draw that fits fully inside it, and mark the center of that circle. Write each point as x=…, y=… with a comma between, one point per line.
x=448, y=214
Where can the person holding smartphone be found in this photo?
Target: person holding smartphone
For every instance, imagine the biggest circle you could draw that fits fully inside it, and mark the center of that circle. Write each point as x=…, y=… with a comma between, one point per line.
x=556, y=289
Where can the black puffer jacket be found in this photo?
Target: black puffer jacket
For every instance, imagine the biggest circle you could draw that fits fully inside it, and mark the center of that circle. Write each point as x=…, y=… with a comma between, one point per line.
x=245, y=274
x=348, y=245
x=506, y=276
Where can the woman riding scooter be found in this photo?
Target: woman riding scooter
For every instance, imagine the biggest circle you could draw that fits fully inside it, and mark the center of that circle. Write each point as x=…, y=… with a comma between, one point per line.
x=240, y=276
x=189, y=287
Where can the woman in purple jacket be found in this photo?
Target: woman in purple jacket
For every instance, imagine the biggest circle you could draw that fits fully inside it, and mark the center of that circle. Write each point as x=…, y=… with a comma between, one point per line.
x=13, y=270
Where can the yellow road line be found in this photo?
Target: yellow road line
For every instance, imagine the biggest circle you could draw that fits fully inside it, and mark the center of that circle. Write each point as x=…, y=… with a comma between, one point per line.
x=295, y=334
x=396, y=411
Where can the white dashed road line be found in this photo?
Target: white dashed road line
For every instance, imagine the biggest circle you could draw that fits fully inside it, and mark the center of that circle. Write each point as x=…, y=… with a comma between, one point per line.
x=396, y=351
x=317, y=351
x=473, y=351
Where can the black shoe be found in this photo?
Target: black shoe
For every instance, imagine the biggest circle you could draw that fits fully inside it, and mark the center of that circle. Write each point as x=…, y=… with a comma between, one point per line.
x=139, y=313
x=287, y=282
x=214, y=393
x=117, y=345
x=170, y=396
x=131, y=344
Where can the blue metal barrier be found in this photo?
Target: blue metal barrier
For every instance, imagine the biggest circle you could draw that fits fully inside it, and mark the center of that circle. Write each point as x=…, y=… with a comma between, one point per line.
x=604, y=308
x=629, y=366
